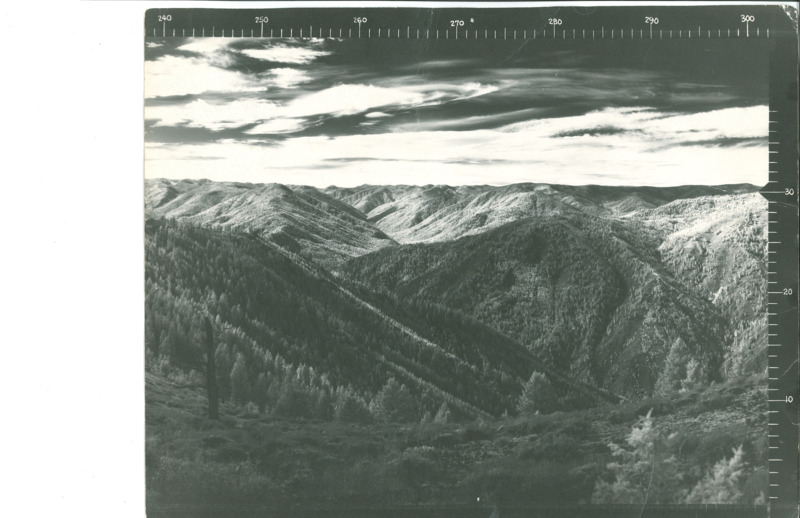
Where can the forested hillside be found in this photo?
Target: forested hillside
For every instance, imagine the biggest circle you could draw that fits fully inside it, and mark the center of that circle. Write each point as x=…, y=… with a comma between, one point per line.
x=718, y=246
x=634, y=289
x=283, y=332
x=588, y=294
x=379, y=345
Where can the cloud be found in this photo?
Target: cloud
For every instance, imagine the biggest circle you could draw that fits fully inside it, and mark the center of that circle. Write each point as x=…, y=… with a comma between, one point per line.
x=748, y=122
x=286, y=54
x=205, y=46
x=278, y=126
x=213, y=116
x=534, y=153
x=456, y=123
x=174, y=76
x=652, y=125
x=212, y=70
x=286, y=77
x=351, y=99
x=435, y=122
x=295, y=115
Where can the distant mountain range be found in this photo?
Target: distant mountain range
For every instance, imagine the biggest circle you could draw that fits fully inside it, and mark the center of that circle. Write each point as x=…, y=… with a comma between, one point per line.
x=611, y=291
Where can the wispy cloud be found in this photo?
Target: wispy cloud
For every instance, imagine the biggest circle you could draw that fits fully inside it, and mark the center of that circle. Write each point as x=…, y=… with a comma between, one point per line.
x=212, y=65
x=286, y=54
x=339, y=100
x=175, y=75
x=286, y=77
x=313, y=112
x=212, y=116
x=532, y=153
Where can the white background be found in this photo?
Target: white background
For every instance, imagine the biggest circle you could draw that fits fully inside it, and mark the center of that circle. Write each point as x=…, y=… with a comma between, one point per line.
x=72, y=311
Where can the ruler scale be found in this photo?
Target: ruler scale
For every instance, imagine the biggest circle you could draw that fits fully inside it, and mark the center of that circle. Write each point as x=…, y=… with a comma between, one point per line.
x=634, y=23
x=782, y=285
x=704, y=28
x=614, y=34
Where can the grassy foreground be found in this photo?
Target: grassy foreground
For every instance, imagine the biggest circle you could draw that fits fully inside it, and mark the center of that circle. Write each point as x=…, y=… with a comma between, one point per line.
x=247, y=459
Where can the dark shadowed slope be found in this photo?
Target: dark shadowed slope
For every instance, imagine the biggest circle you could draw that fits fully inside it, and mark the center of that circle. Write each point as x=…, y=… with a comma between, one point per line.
x=274, y=312
x=590, y=295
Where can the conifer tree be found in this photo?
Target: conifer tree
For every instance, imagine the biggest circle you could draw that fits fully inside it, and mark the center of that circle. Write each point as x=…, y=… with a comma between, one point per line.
x=537, y=395
x=323, y=405
x=645, y=472
x=674, y=368
x=694, y=375
x=722, y=485
x=260, y=392
x=239, y=383
x=442, y=415
x=211, y=375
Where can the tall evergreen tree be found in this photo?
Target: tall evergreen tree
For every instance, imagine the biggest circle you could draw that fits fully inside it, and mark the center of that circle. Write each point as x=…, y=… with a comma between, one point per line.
x=645, y=472
x=694, y=375
x=537, y=395
x=674, y=368
x=260, y=392
x=211, y=375
x=443, y=414
x=239, y=383
x=722, y=485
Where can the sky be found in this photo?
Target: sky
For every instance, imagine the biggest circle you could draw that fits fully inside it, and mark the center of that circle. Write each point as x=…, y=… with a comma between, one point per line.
x=345, y=112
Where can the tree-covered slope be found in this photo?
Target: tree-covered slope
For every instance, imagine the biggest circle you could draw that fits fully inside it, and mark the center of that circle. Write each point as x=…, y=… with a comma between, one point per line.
x=280, y=320
x=635, y=289
x=718, y=246
x=588, y=294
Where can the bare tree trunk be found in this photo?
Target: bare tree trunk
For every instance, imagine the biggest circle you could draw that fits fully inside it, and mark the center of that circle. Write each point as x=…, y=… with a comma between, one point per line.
x=211, y=372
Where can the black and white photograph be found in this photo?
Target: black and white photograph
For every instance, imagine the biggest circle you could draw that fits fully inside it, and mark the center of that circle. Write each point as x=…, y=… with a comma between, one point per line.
x=461, y=261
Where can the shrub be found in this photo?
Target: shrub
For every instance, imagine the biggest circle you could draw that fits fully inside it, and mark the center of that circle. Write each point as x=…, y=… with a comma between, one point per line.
x=475, y=432
x=507, y=480
x=716, y=443
x=394, y=404
x=350, y=408
x=198, y=482
x=293, y=402
x=414, y=466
